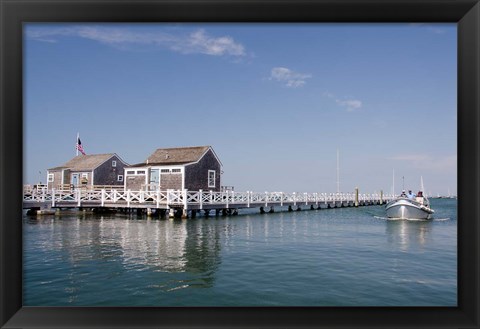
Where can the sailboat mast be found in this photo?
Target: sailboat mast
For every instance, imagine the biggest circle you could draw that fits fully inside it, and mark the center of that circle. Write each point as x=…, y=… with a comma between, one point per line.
x=338, y=172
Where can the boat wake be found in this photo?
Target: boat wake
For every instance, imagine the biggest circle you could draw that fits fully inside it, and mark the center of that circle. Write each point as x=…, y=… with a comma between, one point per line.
x=413, y=219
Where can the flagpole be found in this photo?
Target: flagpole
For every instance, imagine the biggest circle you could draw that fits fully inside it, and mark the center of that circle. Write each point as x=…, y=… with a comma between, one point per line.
x=76, y=143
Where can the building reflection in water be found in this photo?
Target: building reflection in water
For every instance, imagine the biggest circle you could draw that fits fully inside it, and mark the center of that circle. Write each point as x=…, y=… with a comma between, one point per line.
x=129, y=245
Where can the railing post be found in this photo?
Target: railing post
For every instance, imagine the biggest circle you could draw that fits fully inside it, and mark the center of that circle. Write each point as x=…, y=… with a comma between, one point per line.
x=103, y=197
x=248, y=199
x=266, y=199
x=53, y=197
x=227, y=202
x=185, y=199
x=142, y=196
x=211, y=197
x=128, y=199
x=168, y=197
x=281, y=199
x=200, y=199
x=306, y=198
x=79, y=197
x=294, y=199
x=158, y=197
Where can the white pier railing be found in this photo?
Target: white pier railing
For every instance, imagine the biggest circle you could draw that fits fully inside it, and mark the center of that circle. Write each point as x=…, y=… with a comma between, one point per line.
x=190, y=199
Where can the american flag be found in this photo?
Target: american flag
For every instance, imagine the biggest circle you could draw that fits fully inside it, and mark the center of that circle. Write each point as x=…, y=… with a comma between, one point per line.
x=79, y=146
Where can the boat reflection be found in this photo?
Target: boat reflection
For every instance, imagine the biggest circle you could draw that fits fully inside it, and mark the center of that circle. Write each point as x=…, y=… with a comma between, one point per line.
x=408, y=234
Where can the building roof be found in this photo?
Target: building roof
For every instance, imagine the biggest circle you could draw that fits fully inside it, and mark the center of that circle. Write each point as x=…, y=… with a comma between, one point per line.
x=86, y=162
x=177, y=155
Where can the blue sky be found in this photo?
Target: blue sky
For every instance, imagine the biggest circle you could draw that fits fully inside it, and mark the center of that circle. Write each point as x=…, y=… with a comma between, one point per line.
x=275, y=101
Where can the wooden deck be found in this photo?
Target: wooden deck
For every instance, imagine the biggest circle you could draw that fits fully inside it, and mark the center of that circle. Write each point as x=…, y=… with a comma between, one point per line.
x=192, y=200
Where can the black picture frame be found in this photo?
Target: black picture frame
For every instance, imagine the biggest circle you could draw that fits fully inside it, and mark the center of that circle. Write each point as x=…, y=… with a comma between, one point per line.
x=466, y=13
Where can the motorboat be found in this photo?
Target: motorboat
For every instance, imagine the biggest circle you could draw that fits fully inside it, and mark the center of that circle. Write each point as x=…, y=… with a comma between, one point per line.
x=409, y=207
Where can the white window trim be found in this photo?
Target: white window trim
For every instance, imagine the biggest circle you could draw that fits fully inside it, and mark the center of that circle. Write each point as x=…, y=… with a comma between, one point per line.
x=50, y=178
x=114, y=163
x=214, y=178
x=120, y=178
x=135, y=172
x=85, y=175
x=170, y=168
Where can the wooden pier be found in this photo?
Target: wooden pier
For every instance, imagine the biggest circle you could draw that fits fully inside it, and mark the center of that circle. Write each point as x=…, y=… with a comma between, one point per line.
x=184, y=203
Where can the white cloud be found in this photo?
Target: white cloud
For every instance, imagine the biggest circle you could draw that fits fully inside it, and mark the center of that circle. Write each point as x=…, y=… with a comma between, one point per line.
x=288, y=77
x=350, y=104
x=197, y=42
x=441, y=164
x=434, y=28
x=200, y=42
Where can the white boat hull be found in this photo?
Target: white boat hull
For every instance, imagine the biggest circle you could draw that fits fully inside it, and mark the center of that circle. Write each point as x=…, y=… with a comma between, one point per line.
x=407, y=209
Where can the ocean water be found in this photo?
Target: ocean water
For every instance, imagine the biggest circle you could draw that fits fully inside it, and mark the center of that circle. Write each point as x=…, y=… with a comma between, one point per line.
x=328, y=257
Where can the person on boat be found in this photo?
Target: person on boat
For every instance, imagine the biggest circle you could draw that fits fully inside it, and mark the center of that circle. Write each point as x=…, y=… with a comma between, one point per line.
x=403, y=195
x=411, y=195
x=419, y=197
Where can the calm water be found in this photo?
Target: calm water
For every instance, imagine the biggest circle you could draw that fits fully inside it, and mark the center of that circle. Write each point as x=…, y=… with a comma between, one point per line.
x=334, y=257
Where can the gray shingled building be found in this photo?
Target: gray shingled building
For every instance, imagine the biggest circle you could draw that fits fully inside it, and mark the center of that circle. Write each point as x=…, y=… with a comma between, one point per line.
x=88, y=170
x=192, y=168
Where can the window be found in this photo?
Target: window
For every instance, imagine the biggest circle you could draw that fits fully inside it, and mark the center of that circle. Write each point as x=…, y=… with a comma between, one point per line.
x=165, y=171
x=135, y=172
x=50, y=178
x=211, y=178
x=177, y=170
x=120, y=178
x=114, y=163
x=84, y=175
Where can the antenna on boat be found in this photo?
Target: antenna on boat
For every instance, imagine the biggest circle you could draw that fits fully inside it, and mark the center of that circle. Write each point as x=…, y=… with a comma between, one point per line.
x=393, y=187
x=403, y=183
x=421, y=184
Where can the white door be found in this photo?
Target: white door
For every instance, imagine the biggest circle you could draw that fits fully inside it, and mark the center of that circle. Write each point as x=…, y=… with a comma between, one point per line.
x=74, y=180
x=154, y=179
